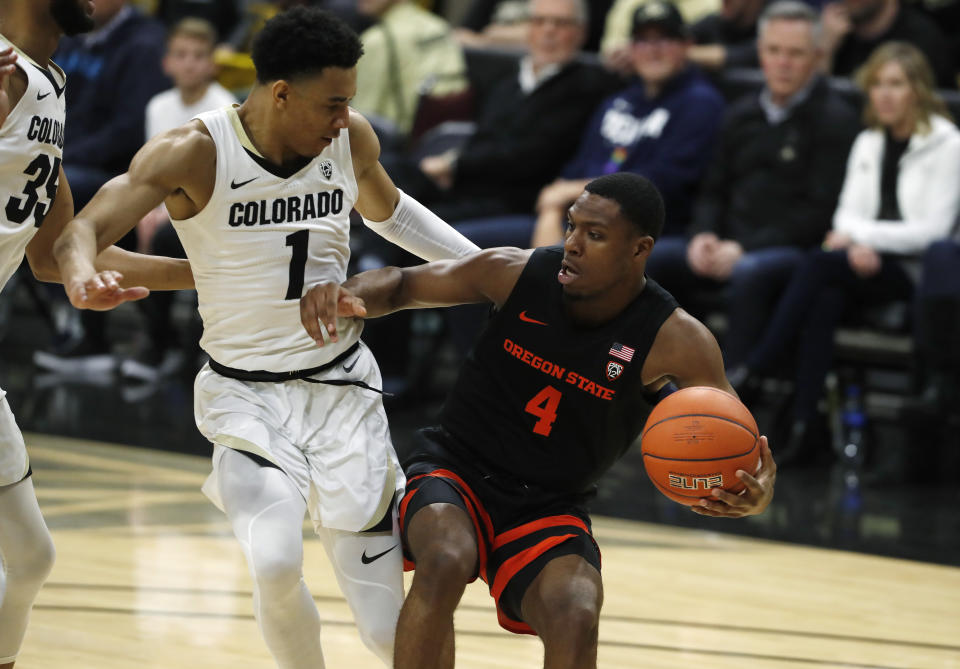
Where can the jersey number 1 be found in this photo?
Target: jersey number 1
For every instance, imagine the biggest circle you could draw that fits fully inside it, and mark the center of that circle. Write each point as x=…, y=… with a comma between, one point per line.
x=544, y=405
x=298, y=262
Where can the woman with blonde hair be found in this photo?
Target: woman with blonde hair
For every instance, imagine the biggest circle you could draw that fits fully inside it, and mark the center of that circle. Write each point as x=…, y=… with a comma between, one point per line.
x=901, y=193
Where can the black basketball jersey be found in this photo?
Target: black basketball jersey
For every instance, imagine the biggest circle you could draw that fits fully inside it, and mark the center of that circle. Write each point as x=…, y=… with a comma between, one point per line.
x=546, y=402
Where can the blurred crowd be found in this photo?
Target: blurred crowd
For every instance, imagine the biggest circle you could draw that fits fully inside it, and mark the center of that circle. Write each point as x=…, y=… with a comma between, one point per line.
x=807, y=153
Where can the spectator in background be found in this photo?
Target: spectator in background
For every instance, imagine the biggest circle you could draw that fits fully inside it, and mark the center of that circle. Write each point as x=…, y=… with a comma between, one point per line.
x=617, y=37
x=854, y=28
x=901, y=193
x=772, y=185
x=728, y=38
x=409, y=51
x=189, y=63
x=222, y=14
x=504, y=23
x=526, y=125
x=662, y=127
x=113, y=72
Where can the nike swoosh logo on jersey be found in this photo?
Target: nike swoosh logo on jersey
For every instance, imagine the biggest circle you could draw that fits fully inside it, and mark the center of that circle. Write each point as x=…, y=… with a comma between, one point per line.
x=367, y=560
x=40, y=97
x=350, y=368
x=235, y=185
x=527, y=319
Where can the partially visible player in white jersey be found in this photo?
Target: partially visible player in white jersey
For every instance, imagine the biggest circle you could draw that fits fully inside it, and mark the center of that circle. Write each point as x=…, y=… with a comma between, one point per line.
x=260, y=195
x=36, y=205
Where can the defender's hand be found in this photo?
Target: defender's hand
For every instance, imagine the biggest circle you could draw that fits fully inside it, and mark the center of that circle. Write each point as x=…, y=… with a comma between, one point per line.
x=7, y=66
x=751, y=501
x=322, y=304
x=102, y=292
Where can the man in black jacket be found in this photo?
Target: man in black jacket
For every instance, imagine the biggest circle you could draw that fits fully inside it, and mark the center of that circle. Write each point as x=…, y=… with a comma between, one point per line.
x=527, y=128
x=773, y=184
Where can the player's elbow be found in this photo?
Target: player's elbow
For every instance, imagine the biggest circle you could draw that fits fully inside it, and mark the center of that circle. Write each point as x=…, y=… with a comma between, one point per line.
x=44, y=266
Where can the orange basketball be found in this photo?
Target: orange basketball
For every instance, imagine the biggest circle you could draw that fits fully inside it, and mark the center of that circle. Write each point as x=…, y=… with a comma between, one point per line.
x=695, y=440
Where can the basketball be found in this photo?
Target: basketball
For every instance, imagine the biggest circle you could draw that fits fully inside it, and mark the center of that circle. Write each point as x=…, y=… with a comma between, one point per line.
x=695, y=440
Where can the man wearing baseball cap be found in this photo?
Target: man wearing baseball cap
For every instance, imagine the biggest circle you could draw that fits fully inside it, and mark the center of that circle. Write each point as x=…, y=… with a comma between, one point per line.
x=661, y=127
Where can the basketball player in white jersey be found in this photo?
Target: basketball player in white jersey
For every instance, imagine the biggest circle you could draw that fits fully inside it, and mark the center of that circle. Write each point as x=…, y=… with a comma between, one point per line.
x=35, y=205
x=260, y=196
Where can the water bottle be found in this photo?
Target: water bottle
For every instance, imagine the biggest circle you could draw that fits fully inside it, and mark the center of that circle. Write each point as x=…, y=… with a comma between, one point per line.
x=854, y=426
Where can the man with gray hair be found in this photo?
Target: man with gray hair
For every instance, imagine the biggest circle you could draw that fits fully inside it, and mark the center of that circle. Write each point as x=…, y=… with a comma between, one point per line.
x=773, y=184
x=513, y=152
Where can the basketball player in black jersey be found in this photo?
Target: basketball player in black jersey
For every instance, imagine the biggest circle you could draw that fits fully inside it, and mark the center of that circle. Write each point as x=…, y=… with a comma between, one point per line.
x=558, y=386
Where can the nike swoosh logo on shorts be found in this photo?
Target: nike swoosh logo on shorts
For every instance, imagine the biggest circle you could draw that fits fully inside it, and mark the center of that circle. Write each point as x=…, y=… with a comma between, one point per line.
x=235, y=185
x=367, y=560
x=527, y=319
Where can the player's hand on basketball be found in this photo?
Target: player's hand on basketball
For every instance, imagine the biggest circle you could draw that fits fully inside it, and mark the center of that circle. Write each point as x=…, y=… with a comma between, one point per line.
x=322, y=304
x=755, y=497
x=102, y=292
x=8, y=58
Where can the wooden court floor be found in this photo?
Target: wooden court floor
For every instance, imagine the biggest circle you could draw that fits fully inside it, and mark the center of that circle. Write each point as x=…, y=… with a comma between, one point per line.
x=148, y=575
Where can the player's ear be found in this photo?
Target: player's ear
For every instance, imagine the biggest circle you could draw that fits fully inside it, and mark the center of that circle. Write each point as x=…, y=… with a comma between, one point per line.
x=281, y=92
x=643, y=246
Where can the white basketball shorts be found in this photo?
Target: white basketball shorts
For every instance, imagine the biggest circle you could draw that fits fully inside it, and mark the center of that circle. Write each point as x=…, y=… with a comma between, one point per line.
x=331, y=440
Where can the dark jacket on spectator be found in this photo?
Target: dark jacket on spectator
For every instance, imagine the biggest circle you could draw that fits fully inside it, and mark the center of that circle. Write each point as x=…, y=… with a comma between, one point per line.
x=522, y=141
x=110, y=78
x=667, y=139
x=777, y=185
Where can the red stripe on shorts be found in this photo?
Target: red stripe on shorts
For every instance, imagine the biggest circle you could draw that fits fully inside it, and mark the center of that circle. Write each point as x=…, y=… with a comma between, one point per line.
x=534, y=526
x=510, y=568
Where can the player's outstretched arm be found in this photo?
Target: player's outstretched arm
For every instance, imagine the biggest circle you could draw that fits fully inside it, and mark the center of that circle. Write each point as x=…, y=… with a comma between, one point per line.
x=182, y=163
x=102, y=290
x=688, y=354
x=392, y=214
x=486, y=276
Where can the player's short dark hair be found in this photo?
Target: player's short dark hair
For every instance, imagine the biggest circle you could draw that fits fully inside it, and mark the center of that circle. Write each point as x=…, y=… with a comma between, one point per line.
x=639, y=200
x=301, y=42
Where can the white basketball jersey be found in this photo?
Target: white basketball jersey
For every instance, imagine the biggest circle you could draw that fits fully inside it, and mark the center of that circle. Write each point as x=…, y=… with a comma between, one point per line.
x=31, y=150
x=259, y=242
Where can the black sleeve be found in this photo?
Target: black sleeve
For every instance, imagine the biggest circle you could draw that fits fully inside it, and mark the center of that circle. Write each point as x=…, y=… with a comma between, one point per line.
x=709, y=210
x=807, y=219
x=479, y=14
x=545, y=147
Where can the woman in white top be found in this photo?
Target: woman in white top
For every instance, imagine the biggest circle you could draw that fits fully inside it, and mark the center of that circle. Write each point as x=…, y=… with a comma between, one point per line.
x=901, y=193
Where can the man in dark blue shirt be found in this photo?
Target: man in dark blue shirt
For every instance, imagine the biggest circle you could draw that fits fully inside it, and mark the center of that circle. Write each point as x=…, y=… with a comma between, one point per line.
x=662, y=127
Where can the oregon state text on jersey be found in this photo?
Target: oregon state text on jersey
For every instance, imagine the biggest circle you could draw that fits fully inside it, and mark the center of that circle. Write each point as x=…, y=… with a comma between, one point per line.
x=544, y=402
x=264, y=236
x=31, y=151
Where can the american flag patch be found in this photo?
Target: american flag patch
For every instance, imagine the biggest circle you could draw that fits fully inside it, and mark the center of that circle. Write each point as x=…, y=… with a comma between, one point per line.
x=622, y=352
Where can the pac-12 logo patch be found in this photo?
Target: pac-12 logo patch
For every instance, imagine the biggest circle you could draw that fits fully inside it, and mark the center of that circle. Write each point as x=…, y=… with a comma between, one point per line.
x=326, y=168
x=614, y=369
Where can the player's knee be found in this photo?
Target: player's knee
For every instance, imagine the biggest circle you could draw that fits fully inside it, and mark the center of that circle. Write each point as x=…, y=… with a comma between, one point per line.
x=445, y=566
x=275, y=571
x=574, y=621
x=29, y=564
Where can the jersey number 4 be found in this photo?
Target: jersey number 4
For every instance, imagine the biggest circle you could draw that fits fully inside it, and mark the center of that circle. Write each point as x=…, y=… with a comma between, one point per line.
x=544, y=405
x=45, y=176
